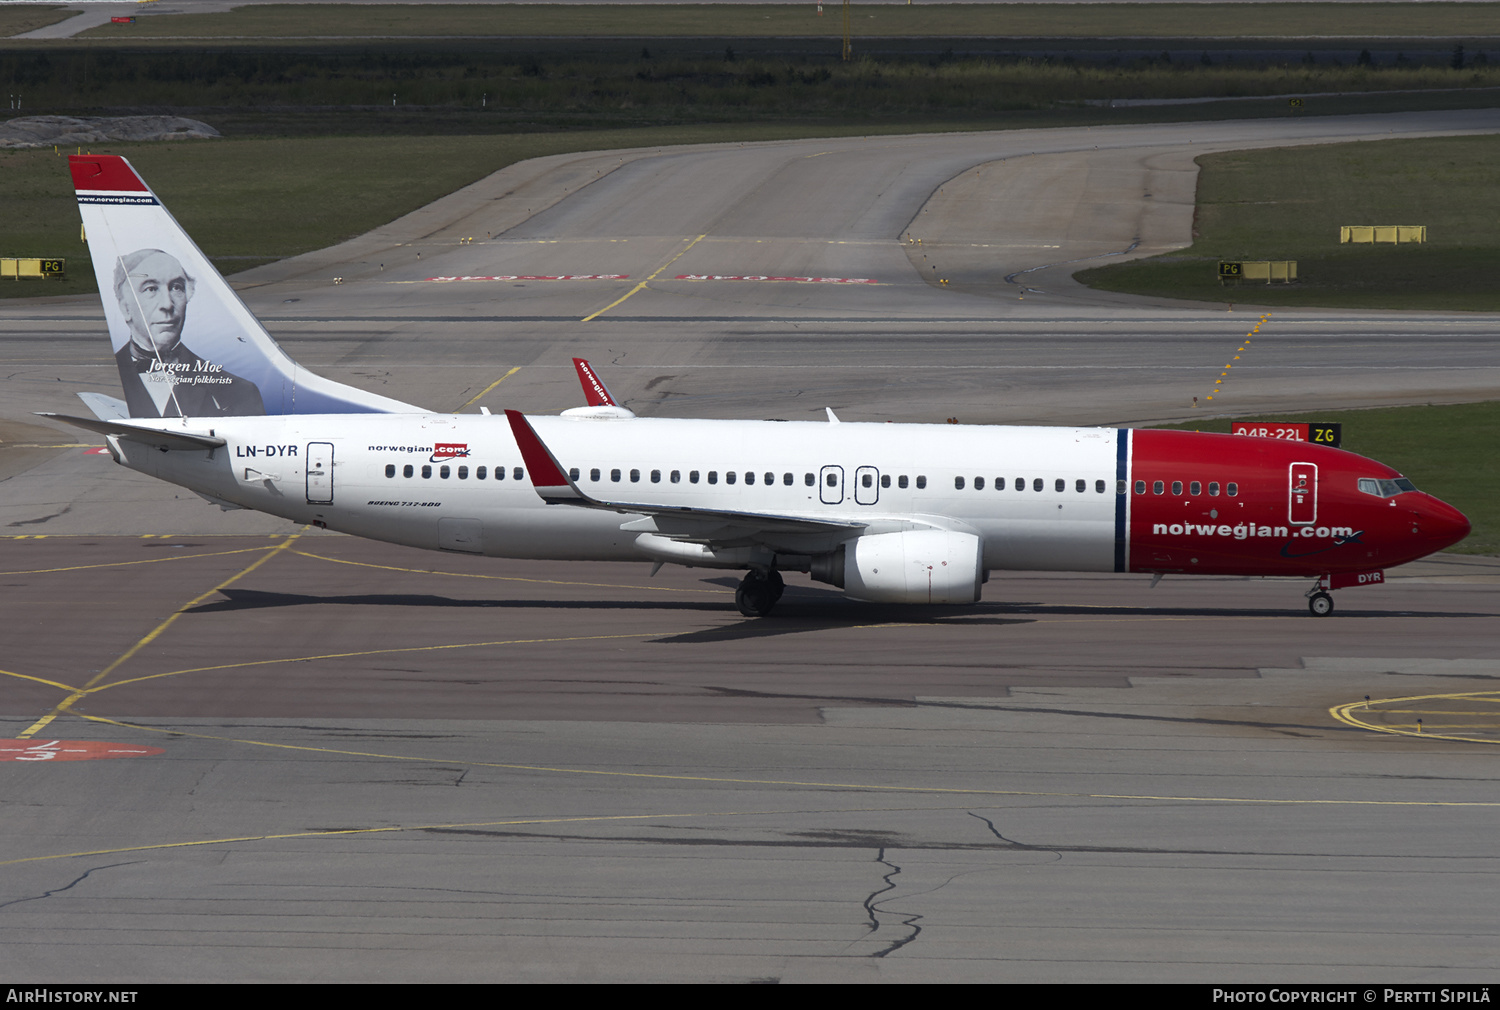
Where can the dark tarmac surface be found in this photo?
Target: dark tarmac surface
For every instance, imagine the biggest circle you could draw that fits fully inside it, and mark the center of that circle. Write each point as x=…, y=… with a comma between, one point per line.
x=387, y=764
x=328, y=626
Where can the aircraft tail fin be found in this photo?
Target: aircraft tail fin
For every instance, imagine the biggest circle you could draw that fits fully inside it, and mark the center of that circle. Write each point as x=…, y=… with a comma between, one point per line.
x=185, y=344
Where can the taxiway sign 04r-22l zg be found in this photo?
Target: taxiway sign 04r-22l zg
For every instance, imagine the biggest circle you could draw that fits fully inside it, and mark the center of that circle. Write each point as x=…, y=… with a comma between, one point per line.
x=899, y=513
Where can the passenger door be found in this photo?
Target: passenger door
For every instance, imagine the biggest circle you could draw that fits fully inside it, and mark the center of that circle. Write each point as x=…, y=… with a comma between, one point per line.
x=320, y=473
x=1302, y=494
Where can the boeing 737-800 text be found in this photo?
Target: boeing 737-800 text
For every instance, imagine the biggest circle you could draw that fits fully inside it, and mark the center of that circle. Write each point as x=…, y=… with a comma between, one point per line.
x=900, y=513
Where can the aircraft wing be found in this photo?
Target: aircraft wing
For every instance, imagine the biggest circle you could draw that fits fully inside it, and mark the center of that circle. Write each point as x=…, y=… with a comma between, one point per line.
x=141, y=432
x=679, y=522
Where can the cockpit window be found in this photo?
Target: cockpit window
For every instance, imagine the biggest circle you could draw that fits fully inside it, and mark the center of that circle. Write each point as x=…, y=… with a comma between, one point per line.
x=1385, y=488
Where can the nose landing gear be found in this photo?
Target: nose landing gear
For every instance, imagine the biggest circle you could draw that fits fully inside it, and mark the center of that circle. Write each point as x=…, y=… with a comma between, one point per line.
x=1320, y=603
x=758, y=592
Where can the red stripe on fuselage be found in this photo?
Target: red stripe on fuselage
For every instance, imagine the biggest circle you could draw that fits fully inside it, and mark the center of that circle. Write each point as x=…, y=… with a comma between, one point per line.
x=1252, y=532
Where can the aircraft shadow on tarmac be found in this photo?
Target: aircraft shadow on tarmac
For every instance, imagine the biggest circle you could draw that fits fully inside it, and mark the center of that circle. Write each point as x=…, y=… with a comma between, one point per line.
x=801, y=611
x=254, y=599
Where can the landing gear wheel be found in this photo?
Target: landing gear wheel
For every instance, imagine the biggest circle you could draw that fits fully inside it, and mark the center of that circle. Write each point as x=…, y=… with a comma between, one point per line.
x=758, y=592
x=777, y=584
x=1321, y=604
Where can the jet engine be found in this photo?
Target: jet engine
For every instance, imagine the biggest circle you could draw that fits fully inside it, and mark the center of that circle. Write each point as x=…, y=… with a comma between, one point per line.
x=918, y=566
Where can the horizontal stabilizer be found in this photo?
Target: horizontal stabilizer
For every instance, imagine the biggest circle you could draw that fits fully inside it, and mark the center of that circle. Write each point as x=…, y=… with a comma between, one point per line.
x=141, y=432
x=105, y=408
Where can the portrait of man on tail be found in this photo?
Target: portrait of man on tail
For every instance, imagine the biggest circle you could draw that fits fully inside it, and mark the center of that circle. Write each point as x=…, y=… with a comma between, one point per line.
x=162, y=376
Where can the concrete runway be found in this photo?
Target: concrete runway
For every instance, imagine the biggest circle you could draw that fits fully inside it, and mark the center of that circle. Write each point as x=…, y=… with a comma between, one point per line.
x=382, y=764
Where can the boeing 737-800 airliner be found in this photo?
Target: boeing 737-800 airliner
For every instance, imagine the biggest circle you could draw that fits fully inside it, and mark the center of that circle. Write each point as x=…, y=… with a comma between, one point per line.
x=900, y=513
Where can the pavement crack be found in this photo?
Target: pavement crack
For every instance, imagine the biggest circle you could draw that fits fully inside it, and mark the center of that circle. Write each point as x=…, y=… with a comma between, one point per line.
x=73, y=883
x=1014, y=844
x=41, y=519
x=871, y=909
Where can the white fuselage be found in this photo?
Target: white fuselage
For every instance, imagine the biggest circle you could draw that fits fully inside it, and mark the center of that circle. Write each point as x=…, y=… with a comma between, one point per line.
x=415, y=479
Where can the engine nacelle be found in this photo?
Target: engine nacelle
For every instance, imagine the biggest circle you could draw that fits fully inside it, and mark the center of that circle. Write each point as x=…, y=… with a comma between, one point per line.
x=919, y=566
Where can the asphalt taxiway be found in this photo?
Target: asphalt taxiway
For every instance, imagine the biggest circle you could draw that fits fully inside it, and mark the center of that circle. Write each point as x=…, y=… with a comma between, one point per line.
x=382, y=764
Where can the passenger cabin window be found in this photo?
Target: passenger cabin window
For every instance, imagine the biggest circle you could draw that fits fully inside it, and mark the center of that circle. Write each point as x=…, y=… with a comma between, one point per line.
x=749, y=477
x=443, y=472
x=1020, y=483
x=593, y=474
x=978, y=483
x=713, y=476
x=572, y=474
x=808, y=479
x=635, y=476
x=1140, y=487
x=692, y=476
x=729, y=477
x=480, y=473
x=518, y=473
x=406, y=470
x=1232, y=489
x=787, y=479
x=1061, y=485
x=1157, y=487
x=1213, y=489
x=676, y=477
x=426, y=472
x=656, y=476
x=771, y=478
x=1099, y=486
x=1036, y=485
x=885, y=480
x=1081, y=486
x=958, y=483
x=614, y=475
x=1195, y=488
x=390, y=471
x=921, y=482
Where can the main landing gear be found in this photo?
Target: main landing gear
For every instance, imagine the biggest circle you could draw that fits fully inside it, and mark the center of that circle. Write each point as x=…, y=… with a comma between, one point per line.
x=758, y=592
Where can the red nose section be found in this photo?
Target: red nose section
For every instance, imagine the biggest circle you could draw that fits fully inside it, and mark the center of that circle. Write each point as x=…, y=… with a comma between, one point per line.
x=1439, y=524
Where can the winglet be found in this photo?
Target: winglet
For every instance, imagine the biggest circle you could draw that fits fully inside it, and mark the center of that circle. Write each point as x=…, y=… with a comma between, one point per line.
x=547, y=474
x=594, y=389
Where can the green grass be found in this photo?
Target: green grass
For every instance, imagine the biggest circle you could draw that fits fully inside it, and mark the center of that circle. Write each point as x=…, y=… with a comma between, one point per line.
x=1447, y=451
x=1222, y=20
x=17, y=19
x=1288, y=203
x=618, y=80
